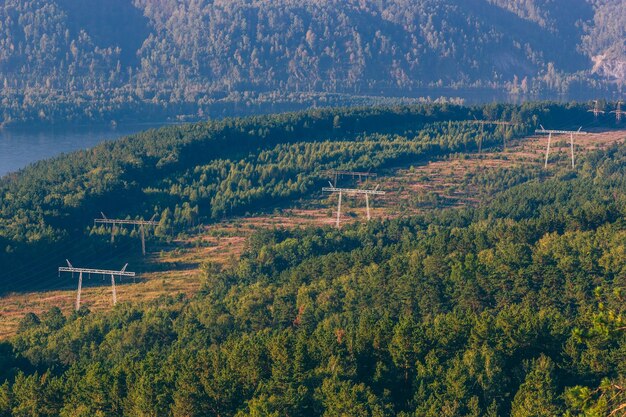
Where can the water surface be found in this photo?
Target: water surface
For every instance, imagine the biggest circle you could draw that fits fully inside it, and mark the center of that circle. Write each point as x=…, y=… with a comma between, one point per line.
x=24, y=145
x=20, y=147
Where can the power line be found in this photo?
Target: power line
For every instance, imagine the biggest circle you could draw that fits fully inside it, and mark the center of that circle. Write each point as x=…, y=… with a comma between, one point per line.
x=482, y=124
x=70, y=268
x=596, y=110
x=140, y=223
x=335, y=173
x=352, y=191
x=41, y=267
x=619, y=112
x=560, y=132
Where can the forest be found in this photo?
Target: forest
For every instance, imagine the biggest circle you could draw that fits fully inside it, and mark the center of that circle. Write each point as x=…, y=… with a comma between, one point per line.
x=512, y=308
x=61, y=62
x=205, y=171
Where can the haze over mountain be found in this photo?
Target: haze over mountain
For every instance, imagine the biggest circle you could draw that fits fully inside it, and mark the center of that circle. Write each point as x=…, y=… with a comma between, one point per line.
x=168, y=51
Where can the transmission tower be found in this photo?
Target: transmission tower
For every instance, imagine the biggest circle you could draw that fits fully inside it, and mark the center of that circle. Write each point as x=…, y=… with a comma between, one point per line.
x=352, y=191
x=141, y=223
x=120, y=273
x=543, y=131
x=596, y=110
x=336, y=174
x=482, y=124
x=619, y=112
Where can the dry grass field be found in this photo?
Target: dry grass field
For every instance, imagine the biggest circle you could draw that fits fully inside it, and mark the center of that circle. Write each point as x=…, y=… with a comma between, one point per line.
x=410, y=189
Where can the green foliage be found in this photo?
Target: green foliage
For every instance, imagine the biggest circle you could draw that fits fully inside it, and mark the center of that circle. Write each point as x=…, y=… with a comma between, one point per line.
x=5, y=400
x=61, y=61
x=199, y=173
x=512, y=308
x=29, y=321
x=342, y=398
x=536, y=397
x=53, y=318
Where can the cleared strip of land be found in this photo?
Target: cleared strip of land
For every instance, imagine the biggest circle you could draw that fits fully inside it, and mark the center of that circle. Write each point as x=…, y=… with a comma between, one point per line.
x=176, y=269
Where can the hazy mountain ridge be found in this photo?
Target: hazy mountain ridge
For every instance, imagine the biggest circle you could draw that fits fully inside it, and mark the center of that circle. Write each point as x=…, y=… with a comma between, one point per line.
x=608, y=52
x=166, y=51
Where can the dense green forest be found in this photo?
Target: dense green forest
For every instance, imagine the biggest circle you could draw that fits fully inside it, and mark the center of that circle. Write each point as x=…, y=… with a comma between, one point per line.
x=513, y=308
x=203, y=172
x=66, y=60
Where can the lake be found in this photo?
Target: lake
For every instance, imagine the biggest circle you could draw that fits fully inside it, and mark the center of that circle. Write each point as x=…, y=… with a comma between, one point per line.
x=20, y=147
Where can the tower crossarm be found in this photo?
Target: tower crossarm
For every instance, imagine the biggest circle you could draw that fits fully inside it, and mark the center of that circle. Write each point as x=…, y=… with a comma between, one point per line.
x=551, y=132
x=560, y=132
x=619, y=109
x=352, y=191
x=340, y=172
x=596, y=109
x=96, y=271
x=141, y=223
x=493, y=122
x=119, y=221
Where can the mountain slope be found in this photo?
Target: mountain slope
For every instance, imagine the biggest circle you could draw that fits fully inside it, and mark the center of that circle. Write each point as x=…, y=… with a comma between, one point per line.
x=512, y=308
x=326, y=45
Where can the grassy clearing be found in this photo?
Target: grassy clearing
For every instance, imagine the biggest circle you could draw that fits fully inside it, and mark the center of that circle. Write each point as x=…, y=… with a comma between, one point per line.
x=175, y=269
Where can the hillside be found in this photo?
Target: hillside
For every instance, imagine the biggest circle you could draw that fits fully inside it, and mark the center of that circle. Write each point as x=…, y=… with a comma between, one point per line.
x=451, y=182
x=207, y=171
x=485, y=285
x=91, y=60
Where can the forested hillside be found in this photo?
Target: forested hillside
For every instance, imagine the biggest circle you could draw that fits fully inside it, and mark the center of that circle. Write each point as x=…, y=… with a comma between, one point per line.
x=90, y=60
x=513, y=308
x=205, y=171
